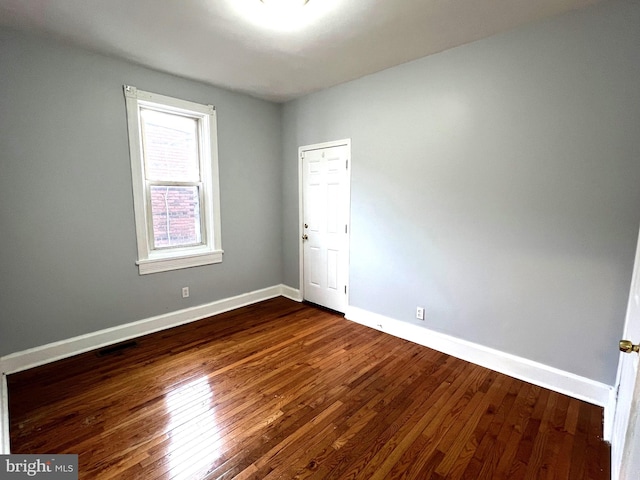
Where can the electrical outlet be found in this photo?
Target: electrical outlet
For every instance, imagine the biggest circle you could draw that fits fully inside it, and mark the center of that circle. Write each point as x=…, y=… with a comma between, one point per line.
x=420, y=313
x=185, y=292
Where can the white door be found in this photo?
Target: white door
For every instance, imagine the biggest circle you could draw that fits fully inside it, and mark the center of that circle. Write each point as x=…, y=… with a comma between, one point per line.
x=324, y=232
x=625, y=442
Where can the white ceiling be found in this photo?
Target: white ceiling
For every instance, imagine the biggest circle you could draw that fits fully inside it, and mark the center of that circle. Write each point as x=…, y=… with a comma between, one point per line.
x=240, y=45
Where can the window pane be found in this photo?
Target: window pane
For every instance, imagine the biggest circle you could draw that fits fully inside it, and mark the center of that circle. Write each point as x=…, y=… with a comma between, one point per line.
x=170, y=145
x=175, y=213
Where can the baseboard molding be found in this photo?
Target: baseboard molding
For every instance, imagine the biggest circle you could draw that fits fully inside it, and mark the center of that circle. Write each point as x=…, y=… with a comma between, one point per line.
x=521, y=368
x=51, y=352
x=291, y=293
x=44, y=354
x=517, y=367
x=609, y=412
x=4, y=416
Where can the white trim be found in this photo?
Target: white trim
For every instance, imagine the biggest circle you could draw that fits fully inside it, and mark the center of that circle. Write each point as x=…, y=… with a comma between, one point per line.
x=51, y=352
x=152, y=260
x=4, y=416
x=609, y=416
x=291, y=293
x=178, y=262
x=345, y=142
x=539, y=374
x=177, y=104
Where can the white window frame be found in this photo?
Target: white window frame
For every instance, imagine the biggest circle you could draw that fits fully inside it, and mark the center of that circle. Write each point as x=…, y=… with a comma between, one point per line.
x=210, y=251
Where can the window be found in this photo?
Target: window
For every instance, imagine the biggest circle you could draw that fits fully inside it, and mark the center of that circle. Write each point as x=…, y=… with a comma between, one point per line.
x=174, y=166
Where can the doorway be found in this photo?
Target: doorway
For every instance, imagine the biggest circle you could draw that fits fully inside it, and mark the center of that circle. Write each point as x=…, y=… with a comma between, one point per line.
x=325, y=192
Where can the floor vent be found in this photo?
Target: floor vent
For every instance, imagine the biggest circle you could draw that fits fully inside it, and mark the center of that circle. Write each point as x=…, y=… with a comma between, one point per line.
x=116, y=349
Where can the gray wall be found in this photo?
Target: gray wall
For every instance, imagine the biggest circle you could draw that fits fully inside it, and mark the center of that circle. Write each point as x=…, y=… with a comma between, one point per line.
x=68, y=251
x=497, y=184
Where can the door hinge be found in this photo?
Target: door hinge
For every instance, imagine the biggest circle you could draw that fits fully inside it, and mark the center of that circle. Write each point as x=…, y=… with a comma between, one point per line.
x=346, y=166
x=345, y=229
x=345, y=289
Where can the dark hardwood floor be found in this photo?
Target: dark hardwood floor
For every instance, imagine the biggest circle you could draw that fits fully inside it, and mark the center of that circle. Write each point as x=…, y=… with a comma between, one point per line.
x=285, y=390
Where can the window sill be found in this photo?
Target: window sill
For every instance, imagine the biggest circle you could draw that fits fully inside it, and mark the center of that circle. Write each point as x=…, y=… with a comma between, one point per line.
x=176, y=263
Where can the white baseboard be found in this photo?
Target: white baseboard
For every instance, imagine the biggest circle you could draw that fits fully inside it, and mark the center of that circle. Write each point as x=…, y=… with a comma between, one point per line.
x=291, y=293
x=4, y=416
x=609, y=412
x=539, y=374
x=517, y=367
x=51, y=352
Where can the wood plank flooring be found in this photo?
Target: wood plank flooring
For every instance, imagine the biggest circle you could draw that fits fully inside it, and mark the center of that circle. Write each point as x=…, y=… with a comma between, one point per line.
x=286, y=390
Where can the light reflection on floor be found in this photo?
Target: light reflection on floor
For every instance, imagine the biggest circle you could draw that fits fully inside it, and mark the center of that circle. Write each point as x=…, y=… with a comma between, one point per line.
x=194, y=435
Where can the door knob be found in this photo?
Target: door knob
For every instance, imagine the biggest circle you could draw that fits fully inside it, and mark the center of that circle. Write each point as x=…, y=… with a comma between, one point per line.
x=305, y=237
x=627, y=346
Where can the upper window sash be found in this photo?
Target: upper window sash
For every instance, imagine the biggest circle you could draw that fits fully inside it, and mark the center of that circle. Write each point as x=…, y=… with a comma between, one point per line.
x=201, y=150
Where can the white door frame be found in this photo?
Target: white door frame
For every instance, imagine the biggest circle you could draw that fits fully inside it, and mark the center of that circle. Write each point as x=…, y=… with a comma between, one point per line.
x=319, y=146
x=622, y=439
x=631, y=454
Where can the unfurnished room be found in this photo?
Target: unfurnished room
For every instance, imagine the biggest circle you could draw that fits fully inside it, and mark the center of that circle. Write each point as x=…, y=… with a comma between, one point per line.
x=321, y=239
